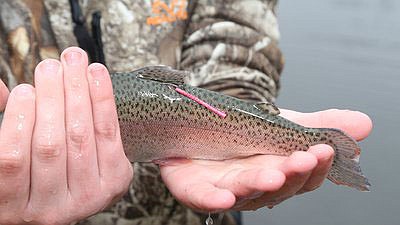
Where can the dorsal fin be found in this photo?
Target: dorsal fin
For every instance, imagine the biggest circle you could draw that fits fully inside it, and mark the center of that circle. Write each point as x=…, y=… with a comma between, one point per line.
x=163, y=74
x=267, y=107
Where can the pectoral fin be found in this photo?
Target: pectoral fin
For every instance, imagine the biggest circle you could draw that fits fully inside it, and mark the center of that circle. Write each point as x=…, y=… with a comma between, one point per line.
x=163, y=74
x=268, y=108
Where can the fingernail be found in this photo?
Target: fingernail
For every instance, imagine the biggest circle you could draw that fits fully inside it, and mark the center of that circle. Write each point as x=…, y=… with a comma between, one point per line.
x=24, y=90
x=73, y=58
x=50, y=66
x=97, y=71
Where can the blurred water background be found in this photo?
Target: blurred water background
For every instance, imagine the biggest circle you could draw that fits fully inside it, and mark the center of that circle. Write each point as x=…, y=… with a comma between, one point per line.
x=344, y=54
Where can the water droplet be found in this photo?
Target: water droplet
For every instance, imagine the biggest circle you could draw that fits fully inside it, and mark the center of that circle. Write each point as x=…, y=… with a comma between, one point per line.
x=15, y=152
x=28, y=216
x=20, y=121
x=27, y=219
x=75, y=124
x=75, y=83
x=209, y=220
x=78, y=156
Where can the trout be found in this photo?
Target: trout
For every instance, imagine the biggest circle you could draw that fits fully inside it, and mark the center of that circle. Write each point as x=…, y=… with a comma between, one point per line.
x=162, y=117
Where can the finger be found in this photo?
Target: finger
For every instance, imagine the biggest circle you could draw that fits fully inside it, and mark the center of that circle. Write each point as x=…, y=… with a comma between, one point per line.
x=49, y=177
x=113, y=164
x=15, y=142
x=3, y=95
x=196, y=191
x=204, y=197
x=356, y=124
x=252, y=183
x=324, y=155
x=297, y=169
x=81, y=146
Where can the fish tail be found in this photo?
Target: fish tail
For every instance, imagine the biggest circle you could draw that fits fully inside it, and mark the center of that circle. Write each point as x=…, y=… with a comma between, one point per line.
x=345, y=168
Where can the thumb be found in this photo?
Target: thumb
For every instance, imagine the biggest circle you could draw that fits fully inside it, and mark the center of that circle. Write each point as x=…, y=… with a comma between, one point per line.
x=356, y=124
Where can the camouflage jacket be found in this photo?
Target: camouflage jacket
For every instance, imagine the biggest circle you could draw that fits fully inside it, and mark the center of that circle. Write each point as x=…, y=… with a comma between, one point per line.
x=229, y=45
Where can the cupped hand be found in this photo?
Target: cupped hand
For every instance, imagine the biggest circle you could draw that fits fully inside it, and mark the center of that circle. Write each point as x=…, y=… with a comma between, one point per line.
x=262, y=180
x=61, y=156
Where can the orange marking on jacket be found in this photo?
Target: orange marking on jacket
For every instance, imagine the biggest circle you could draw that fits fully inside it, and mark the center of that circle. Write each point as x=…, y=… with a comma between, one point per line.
x=167, y=14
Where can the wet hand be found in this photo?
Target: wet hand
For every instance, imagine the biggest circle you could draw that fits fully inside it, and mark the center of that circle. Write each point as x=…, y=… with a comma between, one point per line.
x=263, y=180
x=61, y=156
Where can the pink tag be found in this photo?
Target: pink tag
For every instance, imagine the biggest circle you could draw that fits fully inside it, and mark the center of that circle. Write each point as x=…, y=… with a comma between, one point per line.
x=201, y=102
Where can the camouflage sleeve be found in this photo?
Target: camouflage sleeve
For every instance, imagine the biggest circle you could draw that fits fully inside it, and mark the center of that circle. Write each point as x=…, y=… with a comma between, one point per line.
x=231, y=46
x=25, y=39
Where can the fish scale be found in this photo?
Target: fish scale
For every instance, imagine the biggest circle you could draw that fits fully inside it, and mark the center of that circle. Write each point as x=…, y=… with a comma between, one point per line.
x=157, y=122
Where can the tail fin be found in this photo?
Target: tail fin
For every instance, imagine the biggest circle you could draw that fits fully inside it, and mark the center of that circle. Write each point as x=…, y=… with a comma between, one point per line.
x=346, y=168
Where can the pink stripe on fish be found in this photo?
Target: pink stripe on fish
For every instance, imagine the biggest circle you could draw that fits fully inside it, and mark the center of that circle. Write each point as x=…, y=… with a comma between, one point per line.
x=201, y=102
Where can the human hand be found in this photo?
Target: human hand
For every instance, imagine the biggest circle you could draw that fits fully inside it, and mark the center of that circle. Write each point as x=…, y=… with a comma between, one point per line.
x=262, y=180
x=61, y=155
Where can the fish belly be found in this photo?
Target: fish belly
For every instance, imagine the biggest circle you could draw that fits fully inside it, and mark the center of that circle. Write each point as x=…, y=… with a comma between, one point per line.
x=148, y=141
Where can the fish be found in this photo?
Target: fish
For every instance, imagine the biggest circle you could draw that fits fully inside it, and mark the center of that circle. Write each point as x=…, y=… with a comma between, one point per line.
x=161, y=116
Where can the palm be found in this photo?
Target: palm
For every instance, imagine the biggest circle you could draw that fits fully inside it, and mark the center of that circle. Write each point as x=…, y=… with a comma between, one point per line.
x=256, y=181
